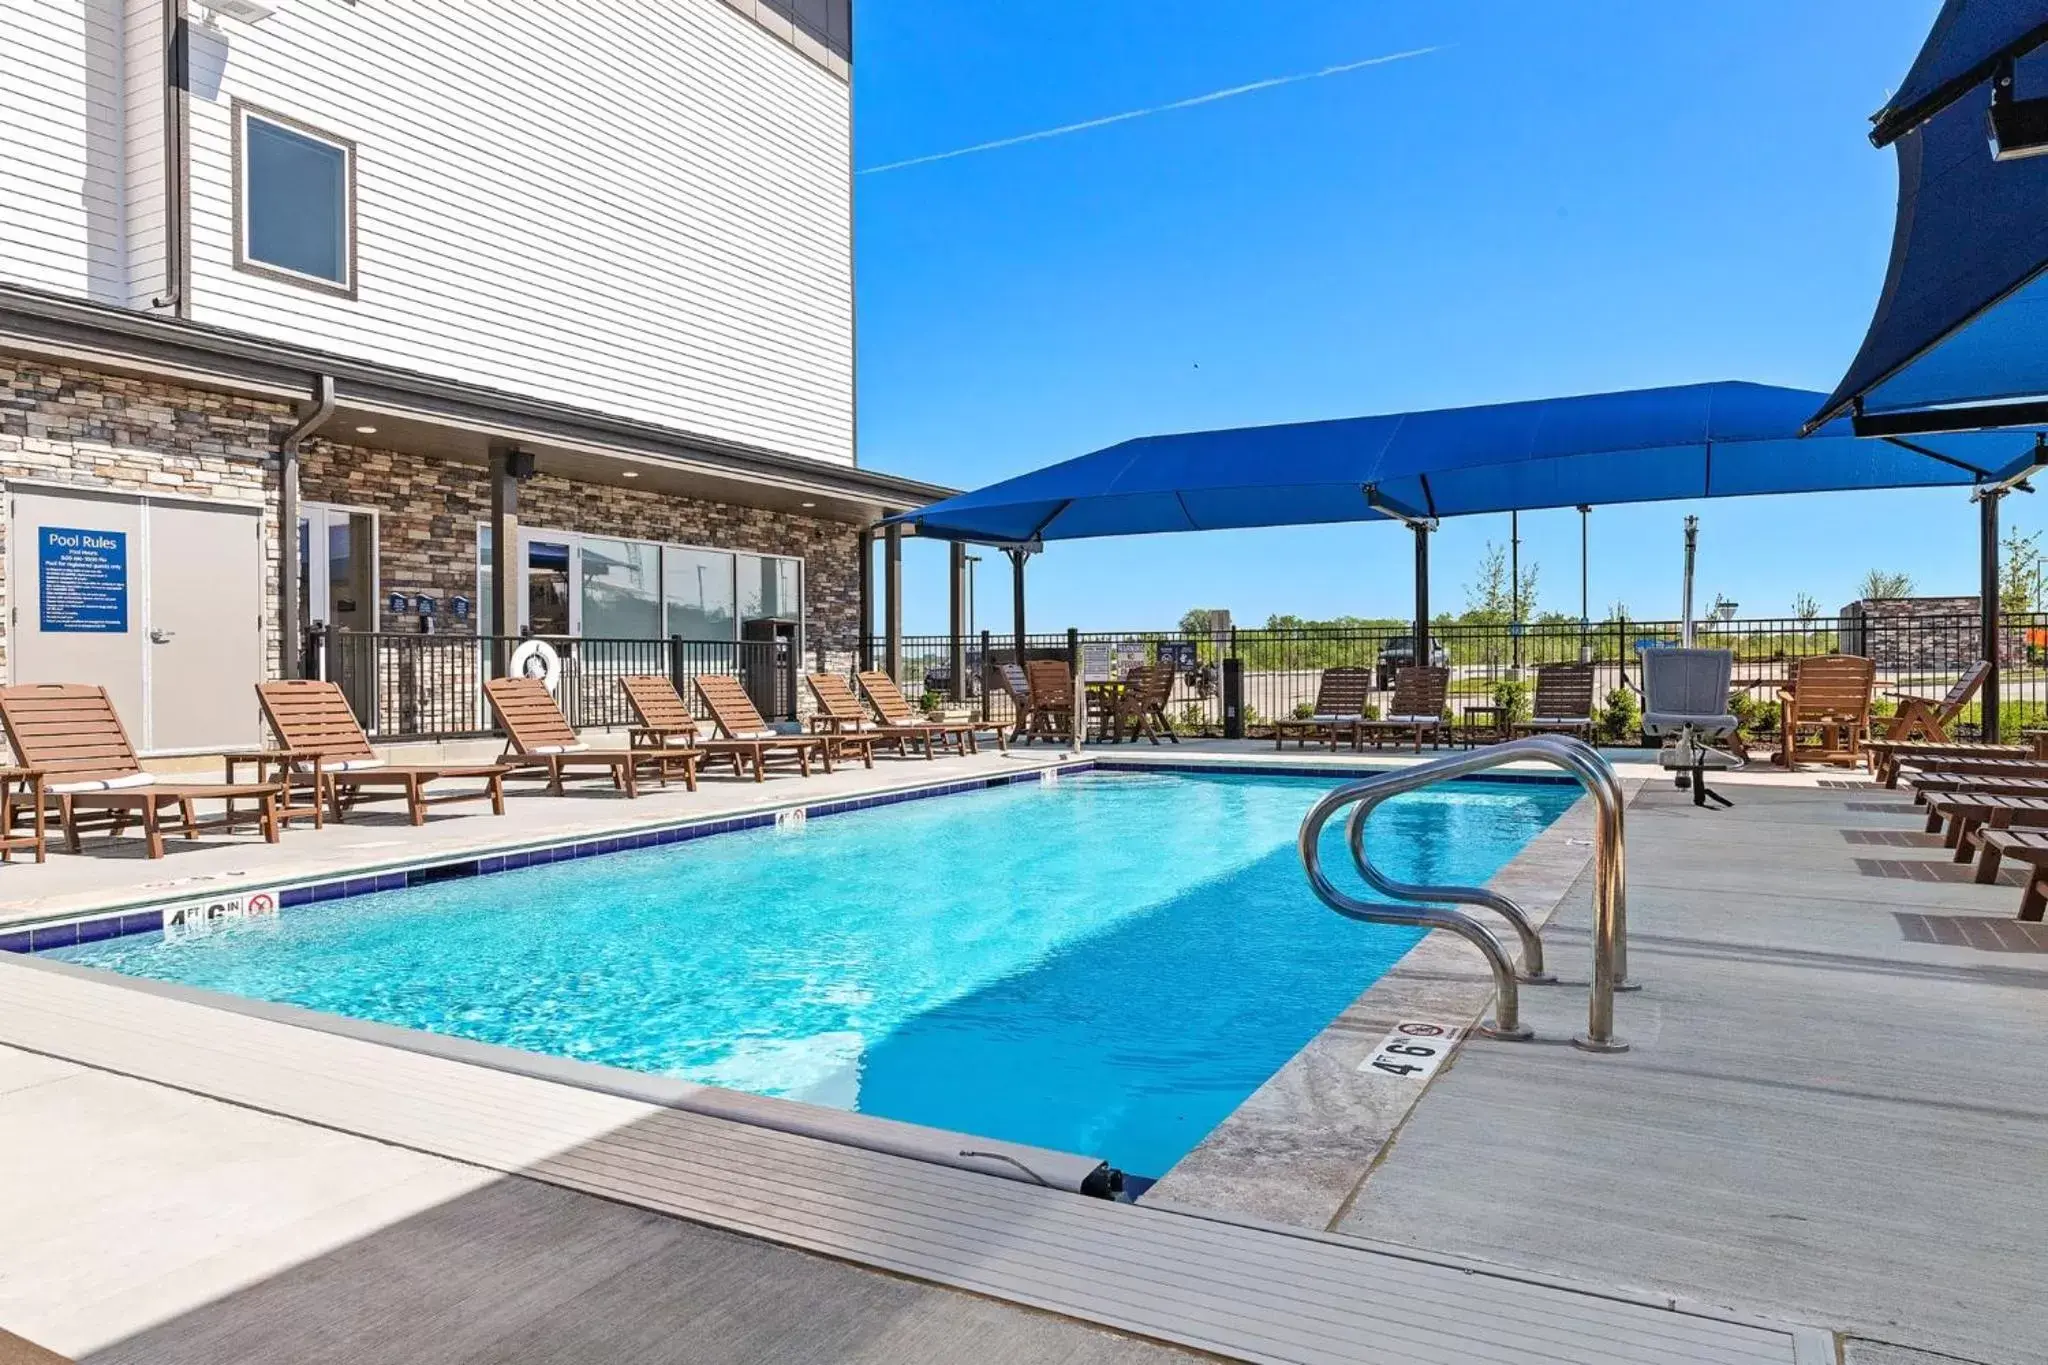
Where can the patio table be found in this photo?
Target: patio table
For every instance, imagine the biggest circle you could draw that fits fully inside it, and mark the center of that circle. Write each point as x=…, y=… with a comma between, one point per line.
x=1491, y=722
x=1103, y=696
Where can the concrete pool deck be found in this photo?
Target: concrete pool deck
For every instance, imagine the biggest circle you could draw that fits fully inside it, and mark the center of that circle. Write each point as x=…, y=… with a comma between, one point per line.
x=1830, y=1183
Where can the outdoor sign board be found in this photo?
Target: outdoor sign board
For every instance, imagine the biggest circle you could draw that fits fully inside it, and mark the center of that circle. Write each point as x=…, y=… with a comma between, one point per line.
x=83, y=577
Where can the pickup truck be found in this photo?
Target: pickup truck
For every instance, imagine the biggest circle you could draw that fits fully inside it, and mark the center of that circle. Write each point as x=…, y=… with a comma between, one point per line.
x=1399, y=652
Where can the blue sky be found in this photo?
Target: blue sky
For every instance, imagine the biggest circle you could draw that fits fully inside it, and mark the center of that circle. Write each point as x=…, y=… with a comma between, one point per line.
x=1564, y=197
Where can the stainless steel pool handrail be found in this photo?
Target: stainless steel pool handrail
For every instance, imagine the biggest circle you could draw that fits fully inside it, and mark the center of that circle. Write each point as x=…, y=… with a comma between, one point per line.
x=1610, y=891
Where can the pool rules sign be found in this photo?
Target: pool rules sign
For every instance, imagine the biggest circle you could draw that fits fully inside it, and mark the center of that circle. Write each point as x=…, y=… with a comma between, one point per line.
x=83, y=580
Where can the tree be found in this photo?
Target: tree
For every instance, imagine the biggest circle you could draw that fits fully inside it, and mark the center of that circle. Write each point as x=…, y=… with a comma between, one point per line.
x=1805, y=606
x=1197, y=620
x=2016, y=575
x=1490, y=596
x=1879, y=586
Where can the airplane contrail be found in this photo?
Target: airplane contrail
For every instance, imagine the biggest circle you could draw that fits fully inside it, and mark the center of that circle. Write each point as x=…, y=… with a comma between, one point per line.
x=1108, y=119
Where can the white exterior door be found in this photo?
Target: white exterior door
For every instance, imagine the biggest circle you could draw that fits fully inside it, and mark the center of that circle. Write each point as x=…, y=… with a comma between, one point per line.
x=160, y=602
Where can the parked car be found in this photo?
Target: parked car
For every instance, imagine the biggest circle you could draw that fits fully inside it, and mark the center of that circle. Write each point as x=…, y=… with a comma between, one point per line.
x=1399, y=652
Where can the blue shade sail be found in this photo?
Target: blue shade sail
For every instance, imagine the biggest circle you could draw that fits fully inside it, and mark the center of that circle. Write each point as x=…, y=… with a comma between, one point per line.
x=1691, y=441
x=1961, y=318
x=1966, y=44
x=295, y=202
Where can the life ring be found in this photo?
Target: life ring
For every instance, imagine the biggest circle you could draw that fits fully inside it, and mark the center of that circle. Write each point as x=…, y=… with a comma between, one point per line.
x=537, y=659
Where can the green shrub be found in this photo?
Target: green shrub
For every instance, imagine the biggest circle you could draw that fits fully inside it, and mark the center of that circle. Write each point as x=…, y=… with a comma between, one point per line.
x=1513, y=696
x=1621, y=719
x=1371, y=710
x=933, y=699
x=1303, y=710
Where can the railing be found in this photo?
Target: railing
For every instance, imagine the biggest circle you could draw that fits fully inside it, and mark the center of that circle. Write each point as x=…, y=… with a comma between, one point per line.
x=407, y=686
x=1610, y=890
x=1236, y=683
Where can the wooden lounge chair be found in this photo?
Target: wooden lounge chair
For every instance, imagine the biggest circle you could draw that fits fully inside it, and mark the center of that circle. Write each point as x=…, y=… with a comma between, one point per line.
x=323, y=743
x=1929, y=718
x=71, y=733
x=732, y=710
x=2029, y=846
x=1339, y=711
x=1009, y=680
x=1049, y=699
x=1825, y=713
x=842, y=716
x=1960, y=816
x=1563, y=704
x=894, y=708
x=1417, y=708
x=1141, y=706
x=538, y=735
x=664, y=724
x=1918, y=771
x=1886, y=756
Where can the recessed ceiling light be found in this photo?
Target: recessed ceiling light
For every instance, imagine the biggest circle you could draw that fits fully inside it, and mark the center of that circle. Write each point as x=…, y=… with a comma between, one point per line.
x=629, y=473
x=366, y=431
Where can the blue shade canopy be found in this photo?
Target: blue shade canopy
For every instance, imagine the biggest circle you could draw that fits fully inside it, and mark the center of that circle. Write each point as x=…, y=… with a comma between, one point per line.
x=1692, y=441
x=1968, y=41
x=1963, y=317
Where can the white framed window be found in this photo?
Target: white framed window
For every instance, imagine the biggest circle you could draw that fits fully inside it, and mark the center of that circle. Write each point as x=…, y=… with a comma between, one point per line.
x=607, y=586
x=338, y=566
x=294, y=202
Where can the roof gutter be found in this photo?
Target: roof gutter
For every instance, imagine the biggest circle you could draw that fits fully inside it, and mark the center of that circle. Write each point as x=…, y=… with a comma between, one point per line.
x=177, y=148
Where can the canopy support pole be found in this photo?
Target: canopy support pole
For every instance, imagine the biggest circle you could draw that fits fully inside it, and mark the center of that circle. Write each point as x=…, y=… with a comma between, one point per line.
x=1422, y=650
x=892, y=601
x=505, y=558
x=1692, y=547
x=1018, y=554
x=1585, y=620
x=956, y=620
x=1987, y=602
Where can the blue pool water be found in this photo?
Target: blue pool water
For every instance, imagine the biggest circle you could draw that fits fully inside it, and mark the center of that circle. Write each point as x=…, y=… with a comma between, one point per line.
x=1106, y=965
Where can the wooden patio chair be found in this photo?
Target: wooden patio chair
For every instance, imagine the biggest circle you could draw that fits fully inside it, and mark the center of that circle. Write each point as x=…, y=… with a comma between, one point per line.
x=1141, y=706
x=1339, y=710
x=664, y=724
x=843, y=716
x=71, y=733
x=1929, y=718
x=1417, y=708
x=2029, y=846
x=539, y=736
x=1563, y=704
x=1825, y=713
x=1009, y=680
x=732, y=710
x=894, y=708
x=323, y=743
x=1049, y=699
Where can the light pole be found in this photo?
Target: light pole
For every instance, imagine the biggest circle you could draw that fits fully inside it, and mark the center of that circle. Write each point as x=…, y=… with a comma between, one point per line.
x=972, y=560
x=1515, y=585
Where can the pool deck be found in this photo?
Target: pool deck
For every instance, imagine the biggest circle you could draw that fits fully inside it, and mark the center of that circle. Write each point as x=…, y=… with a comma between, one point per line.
x=1832, y=1119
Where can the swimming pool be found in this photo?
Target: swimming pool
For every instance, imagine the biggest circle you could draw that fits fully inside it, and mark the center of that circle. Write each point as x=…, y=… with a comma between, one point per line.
x=1108, y=964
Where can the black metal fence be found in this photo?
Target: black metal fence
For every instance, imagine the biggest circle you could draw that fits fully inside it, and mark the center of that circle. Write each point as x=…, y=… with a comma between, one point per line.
x=1233, y=683
x=1262, y=675
x=405, y=686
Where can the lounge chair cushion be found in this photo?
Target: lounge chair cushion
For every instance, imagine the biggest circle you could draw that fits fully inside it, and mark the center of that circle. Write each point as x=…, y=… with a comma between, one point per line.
x=1416, y=720
x=1560, y=720
x=758, y=734
x=346, y=765
x=125, y=782
x=545, y=749
x=1335, y=716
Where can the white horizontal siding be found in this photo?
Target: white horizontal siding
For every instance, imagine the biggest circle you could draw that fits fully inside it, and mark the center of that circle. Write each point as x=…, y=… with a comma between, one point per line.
x=143, y=71
x=641, y=207
x=62, y=182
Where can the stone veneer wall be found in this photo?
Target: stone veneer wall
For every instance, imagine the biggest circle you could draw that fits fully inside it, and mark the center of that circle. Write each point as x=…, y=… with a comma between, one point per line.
x=62, y=424
x=86, y=428
x=429, y=509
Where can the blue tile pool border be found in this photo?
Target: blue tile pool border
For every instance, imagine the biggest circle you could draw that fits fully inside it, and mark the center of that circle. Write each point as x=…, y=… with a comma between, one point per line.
x=94, y=927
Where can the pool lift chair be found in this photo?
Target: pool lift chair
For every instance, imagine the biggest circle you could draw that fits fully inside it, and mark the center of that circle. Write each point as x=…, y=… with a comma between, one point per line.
x=1685, y=704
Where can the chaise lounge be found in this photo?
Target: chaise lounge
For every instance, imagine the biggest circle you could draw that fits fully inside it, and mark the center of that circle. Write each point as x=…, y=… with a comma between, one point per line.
x=538, y=735
x=894, y=708
x=1339, y=711
x=322, y=742
x=744, y=730
x=71, y=733
x=1563, y=704
x=1417, y=708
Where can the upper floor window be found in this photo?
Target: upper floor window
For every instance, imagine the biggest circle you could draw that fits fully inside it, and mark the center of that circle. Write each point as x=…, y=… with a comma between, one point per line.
x=294, y=202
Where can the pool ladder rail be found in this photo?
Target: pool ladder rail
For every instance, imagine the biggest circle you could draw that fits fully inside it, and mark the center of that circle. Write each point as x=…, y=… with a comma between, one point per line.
x=1610, y=886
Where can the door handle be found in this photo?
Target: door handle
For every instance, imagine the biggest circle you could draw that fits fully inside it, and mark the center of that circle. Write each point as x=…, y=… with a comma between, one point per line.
x=161, y=637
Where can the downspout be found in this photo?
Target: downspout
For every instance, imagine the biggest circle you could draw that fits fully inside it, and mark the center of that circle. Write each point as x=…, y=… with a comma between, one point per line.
x=289, y=628
x=177, y=250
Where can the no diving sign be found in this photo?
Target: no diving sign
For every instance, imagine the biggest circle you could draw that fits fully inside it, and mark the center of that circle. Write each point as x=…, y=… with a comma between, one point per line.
x=1412, y=1051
